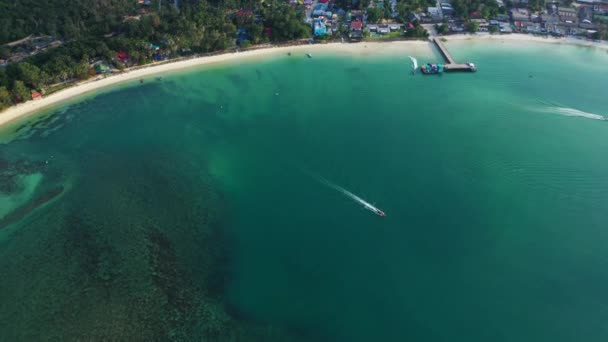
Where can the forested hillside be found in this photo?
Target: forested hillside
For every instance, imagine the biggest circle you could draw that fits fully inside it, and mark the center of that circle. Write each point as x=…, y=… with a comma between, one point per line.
x=94, y=36
x=66, y=18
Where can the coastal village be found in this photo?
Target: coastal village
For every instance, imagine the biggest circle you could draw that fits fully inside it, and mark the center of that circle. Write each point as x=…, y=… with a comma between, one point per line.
x=582, y=19
x=325, y=20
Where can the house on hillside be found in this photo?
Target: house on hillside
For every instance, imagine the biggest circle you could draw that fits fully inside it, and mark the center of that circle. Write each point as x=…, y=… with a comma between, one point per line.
x=600, y=9
x=519, y=14
x=151, y=46
x=241, y=36
x=122, y=57
x=567, y=14
x=585, y=14
x=446, y=8
x=520, y=3
x=319, y=10
x=434, y=13
x=244, y=14
x=533, y=28
x=101, y=68
x=356, y=30
x=588, y=2
x=131, y=18
x=476, y=15
x=319, y=27
x=413, y=17
x=551, y=19
x=482, y=24
x=395, y=27
x=505, y=28
x=503, y=18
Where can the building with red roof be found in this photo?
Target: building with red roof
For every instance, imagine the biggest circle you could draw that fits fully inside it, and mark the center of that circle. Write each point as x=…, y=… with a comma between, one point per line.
x=244, y=14
x=356, y=25
x=476, y=15
x=122, y=56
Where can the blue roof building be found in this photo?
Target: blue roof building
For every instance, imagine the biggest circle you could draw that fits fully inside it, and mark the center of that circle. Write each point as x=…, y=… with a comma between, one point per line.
x=320, y=29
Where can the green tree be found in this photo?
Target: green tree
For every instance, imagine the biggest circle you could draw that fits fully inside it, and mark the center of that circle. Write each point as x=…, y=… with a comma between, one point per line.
x=30, y=74
x=20, y=92
x=374, y=15
x=81, y=70
x=4, y=82
x=493, y=29
x=5, y=98
x=387, y=9
x=601, y=32
x=442, y=28
x=472, y=26
x=285, y=23
x=120, y=66
x=5, y=52
x=256, y=31
x=485, y=12
x=536, y=5
x=417, y=32
x=364, y=3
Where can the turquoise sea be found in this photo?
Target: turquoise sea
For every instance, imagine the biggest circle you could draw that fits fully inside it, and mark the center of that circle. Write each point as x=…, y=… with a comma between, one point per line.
x=191, y=208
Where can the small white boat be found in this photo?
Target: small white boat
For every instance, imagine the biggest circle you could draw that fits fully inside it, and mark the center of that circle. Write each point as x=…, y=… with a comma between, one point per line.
x=309, y=55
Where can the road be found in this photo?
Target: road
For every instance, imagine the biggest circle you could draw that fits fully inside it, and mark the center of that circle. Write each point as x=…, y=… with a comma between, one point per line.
x=430, y=28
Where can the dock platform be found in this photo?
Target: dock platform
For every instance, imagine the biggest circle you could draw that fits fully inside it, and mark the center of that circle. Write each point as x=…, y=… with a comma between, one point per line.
x=451, y=64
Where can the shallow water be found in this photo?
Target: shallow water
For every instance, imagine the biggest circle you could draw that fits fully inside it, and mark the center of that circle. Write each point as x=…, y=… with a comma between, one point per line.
x=188, y=209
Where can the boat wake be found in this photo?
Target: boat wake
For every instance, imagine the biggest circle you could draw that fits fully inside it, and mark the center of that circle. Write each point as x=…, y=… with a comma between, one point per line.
x=414, y=64
x=565, y=111
x=366, y=205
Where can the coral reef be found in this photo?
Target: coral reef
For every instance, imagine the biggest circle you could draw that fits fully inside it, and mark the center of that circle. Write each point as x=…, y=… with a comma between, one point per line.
x=135, y=251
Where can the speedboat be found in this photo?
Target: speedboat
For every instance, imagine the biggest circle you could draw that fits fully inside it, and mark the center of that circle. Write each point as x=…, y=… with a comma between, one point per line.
x=374, y=210
x=309, y=55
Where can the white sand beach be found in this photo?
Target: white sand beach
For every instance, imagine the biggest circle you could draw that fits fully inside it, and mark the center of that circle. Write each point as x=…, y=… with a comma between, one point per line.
x=527, y=38
x=92, y=85
x=359, y=49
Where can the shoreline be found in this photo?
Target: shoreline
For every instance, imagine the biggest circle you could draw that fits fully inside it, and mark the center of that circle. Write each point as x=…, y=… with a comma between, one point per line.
x=526, y=38
x=22, y=110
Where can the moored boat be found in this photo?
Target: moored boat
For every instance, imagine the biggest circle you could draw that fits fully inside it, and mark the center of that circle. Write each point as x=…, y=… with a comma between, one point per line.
x=430, y=69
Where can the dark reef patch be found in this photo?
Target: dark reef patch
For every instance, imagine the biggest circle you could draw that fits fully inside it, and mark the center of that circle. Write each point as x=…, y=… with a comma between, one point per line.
x=24, y=210
x=239, y=82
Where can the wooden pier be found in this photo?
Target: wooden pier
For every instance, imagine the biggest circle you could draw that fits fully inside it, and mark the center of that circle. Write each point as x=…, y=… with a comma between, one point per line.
x=451, y=64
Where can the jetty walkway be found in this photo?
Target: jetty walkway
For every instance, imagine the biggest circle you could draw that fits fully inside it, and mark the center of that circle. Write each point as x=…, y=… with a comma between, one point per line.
x=451, y=64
